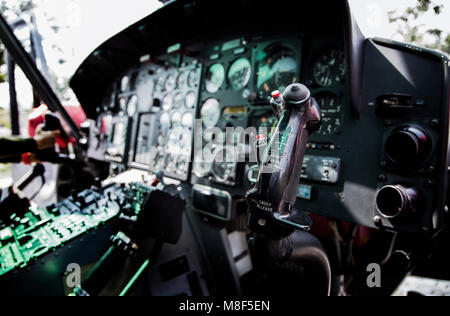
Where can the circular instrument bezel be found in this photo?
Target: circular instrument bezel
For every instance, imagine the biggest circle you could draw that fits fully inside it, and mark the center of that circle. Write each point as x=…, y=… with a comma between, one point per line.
x=241, y=64
x=211, y=106
x=334, y=67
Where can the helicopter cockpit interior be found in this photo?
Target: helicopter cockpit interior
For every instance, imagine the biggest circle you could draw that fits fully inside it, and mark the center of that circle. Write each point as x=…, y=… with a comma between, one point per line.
x=175, y=104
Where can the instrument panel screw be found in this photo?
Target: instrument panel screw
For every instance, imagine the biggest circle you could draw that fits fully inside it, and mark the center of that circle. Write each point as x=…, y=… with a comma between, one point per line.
x=377, y=220
x=383, y=164
x=434, y=123
x=262, y=222
x=382, y=178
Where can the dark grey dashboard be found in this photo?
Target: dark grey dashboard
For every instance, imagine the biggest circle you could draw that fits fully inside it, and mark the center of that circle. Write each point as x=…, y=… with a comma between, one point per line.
x=166, y=105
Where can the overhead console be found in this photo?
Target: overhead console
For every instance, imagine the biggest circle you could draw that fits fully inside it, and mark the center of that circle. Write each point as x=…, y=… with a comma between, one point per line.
x=183, y=104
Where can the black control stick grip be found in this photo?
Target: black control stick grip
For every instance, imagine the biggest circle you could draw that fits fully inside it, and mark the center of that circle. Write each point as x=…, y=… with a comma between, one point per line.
x=272, y=201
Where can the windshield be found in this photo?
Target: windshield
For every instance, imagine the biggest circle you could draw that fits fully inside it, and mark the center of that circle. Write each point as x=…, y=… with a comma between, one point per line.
x=419, y=22
x=72, y=29
x=65, y=33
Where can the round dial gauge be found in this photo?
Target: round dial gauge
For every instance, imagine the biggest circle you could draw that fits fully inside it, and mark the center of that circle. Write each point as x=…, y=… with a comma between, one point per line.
x=192, y=79
x=132, y=105
x=144, y=91
x=210, y=113
x=169, y=163
x=185, y=141
x=160, y=83
x=182, y=79
x=176, y=118
x=214, y=78
x=178, y=100
x=330, y=68
x=239, y=73
x=224, y=166
x=182, y=166
x=187, y=120
x=171, y=82
x=190, y=100
x=277, y=68
x=164, y=120
x=124, y=83
x=123, y=104
x=202, y=166
x=167, y=102
x=161, y=139
x=331, y=109
x=172, y=142
x=159, y=160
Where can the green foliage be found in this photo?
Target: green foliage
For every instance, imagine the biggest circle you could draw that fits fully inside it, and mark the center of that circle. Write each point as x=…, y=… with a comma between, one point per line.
x=16, y=8
x=413, y=33
x=4, y=118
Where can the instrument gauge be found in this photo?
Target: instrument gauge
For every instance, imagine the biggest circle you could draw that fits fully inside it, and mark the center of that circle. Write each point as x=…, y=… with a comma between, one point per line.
x=176, y=119
x=132, y=106
x=210, y=113
x=187, y=120
x=182, y=80
x=165, y=120
x=161, y=139
x=192, y=79
x=276, y=69
x=202, y=167
x=123, y=104
x=172, y=142
x=182, y=166
x=330, y=68
x=178, y=100
x=224, y=165
x=239, y=73
x=144, y=91
x=215, y=77
x=169, y=163
x=190, y=100
x=331, y=109
x=171, y=82
x=124, y=83
x=185, y=141
x=167, y=102
x=160, y=83
x=159, y=160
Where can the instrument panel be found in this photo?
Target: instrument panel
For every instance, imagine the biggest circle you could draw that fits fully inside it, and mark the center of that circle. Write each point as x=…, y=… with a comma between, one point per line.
x=376, y=98
x=164, y=133
x=197, y=118
x=149, y=118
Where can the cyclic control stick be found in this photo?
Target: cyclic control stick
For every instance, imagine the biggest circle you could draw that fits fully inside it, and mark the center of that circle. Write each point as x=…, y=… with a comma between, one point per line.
x=280, y=229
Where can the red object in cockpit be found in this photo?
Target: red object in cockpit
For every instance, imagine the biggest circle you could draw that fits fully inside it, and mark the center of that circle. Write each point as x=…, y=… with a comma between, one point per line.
x=37, y=117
